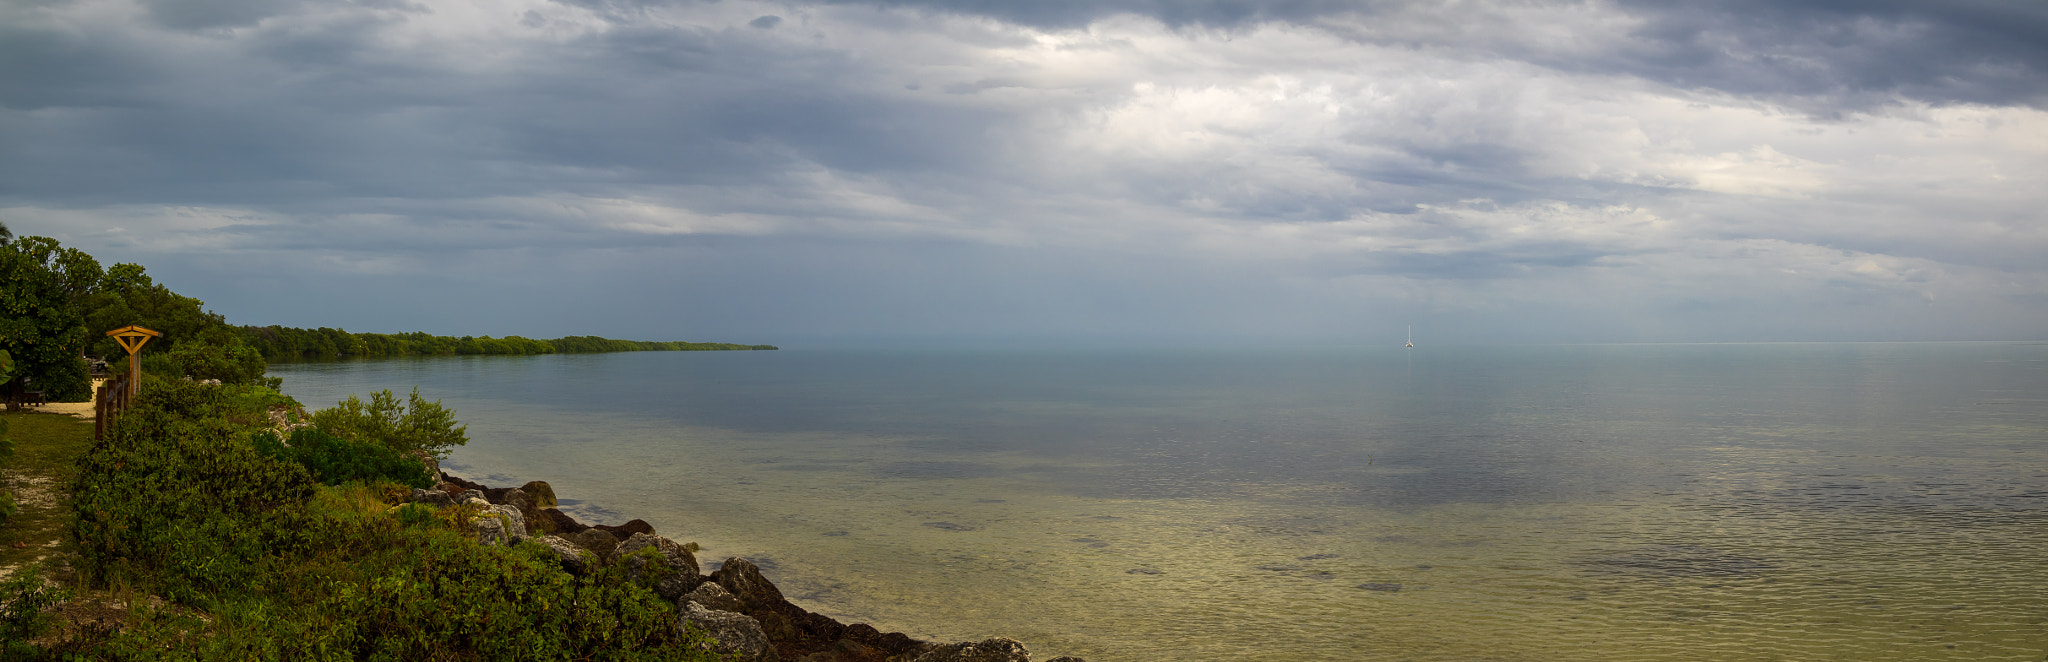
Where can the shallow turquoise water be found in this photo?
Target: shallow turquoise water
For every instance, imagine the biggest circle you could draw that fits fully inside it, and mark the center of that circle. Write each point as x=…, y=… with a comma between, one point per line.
x=1652, y=502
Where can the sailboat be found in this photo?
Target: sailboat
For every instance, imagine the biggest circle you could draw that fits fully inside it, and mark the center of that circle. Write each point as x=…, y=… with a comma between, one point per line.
x=1411, y=337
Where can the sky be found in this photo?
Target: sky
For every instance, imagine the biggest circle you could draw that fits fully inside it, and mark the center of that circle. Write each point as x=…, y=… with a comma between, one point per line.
x=1122, y=172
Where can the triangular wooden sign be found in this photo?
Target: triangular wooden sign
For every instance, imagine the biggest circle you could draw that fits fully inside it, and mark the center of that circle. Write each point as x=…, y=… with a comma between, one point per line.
x=132, y=337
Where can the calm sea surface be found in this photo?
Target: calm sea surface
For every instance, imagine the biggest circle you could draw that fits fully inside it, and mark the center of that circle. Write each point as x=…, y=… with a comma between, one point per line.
x=1625, y=502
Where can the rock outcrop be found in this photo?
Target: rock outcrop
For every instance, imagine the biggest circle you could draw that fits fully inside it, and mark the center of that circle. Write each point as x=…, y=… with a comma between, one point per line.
x=670, y=568
x=599, y=542
x=734, y=634
x=999, y=649
x=560, y=523
x=713, y=596
x=574, y=558
x=743, y=612
x=795, y=631
x=498, y=525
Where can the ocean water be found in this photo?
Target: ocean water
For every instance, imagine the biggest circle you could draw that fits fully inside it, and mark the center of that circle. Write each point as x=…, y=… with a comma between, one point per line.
x=1618, y=502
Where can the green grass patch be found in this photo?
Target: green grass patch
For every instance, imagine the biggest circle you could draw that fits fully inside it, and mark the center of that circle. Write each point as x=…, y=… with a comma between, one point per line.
x=46, y=452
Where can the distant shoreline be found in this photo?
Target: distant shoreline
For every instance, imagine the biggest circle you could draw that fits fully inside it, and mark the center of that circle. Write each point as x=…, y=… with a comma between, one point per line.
x=280, y=344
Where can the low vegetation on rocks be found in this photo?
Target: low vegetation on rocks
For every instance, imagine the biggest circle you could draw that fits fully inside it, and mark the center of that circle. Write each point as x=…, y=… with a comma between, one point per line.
x=222, y=522
x=256, y=557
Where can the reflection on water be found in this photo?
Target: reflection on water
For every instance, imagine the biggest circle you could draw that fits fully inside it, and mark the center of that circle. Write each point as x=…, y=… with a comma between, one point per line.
x=1863, y=502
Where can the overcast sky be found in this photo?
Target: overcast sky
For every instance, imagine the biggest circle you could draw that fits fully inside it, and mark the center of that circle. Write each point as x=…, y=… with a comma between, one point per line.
x=1066, y=171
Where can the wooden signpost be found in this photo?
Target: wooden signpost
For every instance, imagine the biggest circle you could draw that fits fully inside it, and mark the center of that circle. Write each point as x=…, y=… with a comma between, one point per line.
x=110, y=401
x=131, y=338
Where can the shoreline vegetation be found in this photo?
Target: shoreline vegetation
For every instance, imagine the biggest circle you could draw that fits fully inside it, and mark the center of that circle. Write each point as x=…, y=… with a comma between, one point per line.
x=283, y=343
x=218, y=519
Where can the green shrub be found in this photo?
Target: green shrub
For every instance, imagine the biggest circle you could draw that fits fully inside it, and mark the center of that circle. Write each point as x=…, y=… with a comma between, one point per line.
x=22, y=601
x=417, y=426
x=176, y=499
x=255, y=398
x=233, y=363
x=334, y=460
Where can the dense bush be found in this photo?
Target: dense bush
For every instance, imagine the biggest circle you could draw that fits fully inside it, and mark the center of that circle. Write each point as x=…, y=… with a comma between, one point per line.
x=417, y=426
x=333, y=460
x=177, y=499
x=179, y=502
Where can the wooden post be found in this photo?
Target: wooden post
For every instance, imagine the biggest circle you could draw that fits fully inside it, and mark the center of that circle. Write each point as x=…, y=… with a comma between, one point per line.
x=131, y=338
x=99, y=413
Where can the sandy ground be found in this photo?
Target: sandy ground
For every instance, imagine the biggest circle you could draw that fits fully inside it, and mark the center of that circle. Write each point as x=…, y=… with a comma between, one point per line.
x=79, y=409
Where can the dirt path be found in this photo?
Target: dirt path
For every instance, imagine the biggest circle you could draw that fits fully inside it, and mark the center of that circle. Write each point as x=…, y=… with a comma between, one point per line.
x=79, y=409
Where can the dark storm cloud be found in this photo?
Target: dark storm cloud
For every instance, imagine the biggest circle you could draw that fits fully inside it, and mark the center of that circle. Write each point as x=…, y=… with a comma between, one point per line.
x=1847, y=54
x=1860, y=53
x=1110, y=168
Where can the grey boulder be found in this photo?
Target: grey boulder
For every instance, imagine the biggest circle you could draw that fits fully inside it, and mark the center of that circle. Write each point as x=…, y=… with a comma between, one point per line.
x=434, y=498
x=733, y=634
x=499, y=525
x=681, y=573
x=574, y=558
x=713, y=596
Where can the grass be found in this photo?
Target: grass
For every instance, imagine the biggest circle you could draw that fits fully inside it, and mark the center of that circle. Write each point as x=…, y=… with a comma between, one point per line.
x=46, y=452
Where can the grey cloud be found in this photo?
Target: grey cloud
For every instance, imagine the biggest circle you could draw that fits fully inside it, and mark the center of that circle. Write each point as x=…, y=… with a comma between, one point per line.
x=202, y=14
x=1076, y=13
x=1823, y=55
x=1853, y=53
x=825, y=179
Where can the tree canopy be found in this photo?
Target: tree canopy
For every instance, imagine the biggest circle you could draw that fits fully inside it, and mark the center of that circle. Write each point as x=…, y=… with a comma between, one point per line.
x=41, y=324
x=57, y=304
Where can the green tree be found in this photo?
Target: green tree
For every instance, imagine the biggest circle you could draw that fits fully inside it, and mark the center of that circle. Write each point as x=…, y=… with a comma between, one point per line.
x=41, y=285
x=196, y=343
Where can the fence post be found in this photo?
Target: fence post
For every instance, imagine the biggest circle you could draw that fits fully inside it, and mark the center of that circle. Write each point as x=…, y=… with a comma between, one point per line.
x=99, y=413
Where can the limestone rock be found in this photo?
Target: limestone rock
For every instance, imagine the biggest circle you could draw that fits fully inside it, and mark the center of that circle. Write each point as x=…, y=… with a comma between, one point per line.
x=713, y=596
x=999, y=649
x=497, y=525
x=624, y=531
x=490, y=531
x=682, y=573
x=515, y=523
x=459, y=482
x=574, y=558
x=433, y=498
x=742, y=579
x=561, y=523
x=733, y=634
x=599, y=542
x=541, y=494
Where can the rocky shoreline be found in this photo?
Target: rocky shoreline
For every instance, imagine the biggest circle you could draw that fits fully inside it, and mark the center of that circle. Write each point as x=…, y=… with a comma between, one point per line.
x=742, y=611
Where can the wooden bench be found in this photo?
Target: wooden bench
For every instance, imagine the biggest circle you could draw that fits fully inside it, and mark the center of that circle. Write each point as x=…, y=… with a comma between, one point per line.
x=35, y=398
